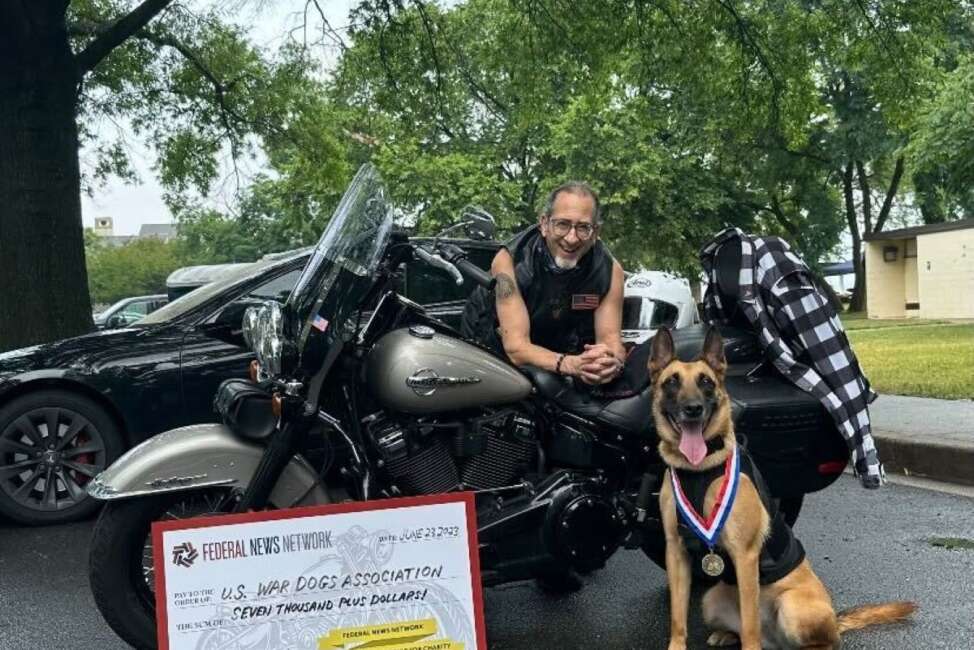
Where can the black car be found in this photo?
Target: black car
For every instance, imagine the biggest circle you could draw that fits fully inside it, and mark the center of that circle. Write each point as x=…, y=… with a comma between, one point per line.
x=71, y=407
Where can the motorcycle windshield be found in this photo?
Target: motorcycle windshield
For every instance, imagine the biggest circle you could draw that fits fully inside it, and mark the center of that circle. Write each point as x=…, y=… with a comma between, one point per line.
x=339, y=273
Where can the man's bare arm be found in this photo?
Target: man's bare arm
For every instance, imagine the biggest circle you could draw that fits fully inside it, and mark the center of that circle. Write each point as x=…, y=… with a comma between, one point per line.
x=604, y=360
x=515, y=325
x=608, y=317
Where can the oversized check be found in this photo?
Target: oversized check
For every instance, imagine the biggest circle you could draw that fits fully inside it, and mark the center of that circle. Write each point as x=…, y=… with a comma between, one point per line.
x=395, y=574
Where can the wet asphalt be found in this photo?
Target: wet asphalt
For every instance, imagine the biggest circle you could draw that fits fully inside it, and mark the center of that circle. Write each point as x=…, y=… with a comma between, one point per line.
x=867, y=547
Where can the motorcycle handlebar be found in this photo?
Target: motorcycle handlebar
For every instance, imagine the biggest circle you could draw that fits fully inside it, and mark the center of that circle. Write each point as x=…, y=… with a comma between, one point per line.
x=435, y=260
x=476, y=273
x=458, y=257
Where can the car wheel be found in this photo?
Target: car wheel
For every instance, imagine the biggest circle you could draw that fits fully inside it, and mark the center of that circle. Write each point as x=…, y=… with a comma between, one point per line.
x=52, y=444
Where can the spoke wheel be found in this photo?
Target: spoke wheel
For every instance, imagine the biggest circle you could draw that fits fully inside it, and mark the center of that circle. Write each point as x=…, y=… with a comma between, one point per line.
x=52, y=444
x=192, y=505
x=120, y=566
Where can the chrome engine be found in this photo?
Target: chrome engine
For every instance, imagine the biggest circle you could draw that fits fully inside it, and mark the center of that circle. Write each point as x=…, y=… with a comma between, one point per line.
x=427, y=456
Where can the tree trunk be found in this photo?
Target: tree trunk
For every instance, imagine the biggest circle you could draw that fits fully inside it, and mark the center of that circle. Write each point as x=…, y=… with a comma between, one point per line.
x=44, y=293
x=858, y=300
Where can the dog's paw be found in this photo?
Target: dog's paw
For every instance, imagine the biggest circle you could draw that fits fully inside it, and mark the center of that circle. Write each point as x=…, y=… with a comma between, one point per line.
x=722, y=638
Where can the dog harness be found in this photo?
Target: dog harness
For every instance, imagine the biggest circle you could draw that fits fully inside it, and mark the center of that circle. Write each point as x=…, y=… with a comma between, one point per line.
x=782, y=551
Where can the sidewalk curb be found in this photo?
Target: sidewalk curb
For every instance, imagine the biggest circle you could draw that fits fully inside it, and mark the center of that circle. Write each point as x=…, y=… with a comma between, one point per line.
x=947, y=461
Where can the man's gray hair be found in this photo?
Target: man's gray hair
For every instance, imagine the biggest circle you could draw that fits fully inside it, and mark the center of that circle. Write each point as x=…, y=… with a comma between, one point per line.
x=578, y=188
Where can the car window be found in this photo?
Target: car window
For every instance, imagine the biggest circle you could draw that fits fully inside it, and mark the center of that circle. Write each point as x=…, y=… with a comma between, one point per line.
x=197, y=297
x=426, y=285
x=277, y=289
x=137, y=308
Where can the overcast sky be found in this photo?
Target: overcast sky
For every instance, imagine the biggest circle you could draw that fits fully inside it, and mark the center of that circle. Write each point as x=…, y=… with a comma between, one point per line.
x=130, y=206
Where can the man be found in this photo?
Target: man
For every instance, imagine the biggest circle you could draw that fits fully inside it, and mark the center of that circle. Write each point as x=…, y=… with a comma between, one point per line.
x=558, y=299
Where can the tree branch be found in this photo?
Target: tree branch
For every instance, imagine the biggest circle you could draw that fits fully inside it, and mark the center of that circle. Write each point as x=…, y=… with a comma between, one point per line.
x=867, y=204
x=894, y=186
x=783, y=219
x=748, y=41
x=117, y=33
x=326, y=27
x=850, y=205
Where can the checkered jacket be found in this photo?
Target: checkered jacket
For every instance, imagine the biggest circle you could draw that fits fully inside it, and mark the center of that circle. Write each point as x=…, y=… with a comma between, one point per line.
x=795, y=321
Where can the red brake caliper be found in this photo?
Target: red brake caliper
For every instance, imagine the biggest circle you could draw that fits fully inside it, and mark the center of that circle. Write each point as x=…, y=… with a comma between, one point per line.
x=83, y=459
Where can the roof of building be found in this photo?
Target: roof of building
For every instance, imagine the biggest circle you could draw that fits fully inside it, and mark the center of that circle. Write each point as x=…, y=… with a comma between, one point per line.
x=116, y=240
x=906, y=233
x=165, y=230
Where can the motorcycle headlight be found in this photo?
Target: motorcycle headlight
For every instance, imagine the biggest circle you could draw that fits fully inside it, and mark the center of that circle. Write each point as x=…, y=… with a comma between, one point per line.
x=267, y=333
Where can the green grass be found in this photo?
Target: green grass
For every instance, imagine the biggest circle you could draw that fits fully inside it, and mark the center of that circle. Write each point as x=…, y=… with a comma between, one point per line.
x=926, y=359
x=953, y=543
x=858, y=321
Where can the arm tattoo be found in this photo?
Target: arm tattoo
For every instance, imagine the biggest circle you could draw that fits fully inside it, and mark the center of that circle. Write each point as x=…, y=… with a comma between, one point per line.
x=505, y=287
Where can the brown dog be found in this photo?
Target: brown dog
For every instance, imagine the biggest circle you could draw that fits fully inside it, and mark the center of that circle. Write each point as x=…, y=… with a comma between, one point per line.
x=692, y=413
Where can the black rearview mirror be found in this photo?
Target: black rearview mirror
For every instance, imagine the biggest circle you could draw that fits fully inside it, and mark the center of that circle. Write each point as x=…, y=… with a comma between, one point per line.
x=481, y=225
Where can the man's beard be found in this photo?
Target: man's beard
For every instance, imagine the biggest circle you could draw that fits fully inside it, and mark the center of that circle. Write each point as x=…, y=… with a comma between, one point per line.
x=565, y=263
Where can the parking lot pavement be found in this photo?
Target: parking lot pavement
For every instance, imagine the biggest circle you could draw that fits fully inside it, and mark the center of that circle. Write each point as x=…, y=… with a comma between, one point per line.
x=867, y=546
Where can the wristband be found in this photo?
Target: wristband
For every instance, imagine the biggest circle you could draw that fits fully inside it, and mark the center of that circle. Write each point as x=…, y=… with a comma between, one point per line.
x=561, y=357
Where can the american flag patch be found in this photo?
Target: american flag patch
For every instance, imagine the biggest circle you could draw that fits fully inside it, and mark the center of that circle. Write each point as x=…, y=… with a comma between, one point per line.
x=585, y=301
x=319, y=324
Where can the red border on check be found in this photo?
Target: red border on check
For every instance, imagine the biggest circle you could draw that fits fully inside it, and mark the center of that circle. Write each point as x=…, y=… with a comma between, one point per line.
x=467, y=498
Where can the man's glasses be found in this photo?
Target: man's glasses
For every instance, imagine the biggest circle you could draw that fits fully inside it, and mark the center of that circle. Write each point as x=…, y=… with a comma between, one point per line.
x=561, y=228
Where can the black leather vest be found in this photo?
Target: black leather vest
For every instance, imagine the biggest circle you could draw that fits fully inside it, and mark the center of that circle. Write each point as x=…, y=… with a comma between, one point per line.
x=561, y=306
x=782, y=551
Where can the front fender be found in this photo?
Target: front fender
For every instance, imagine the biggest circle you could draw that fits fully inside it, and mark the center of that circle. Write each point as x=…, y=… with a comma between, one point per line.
x=202, y=456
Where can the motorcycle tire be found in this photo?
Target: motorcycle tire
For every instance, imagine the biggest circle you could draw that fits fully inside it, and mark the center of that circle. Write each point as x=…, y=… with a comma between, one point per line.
x=115, y=567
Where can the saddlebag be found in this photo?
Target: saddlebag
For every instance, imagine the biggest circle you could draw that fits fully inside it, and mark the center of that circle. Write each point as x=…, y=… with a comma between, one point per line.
x=789, y=434
x=245, y=407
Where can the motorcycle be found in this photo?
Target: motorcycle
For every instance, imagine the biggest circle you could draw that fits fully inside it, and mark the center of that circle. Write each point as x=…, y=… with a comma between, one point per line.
x=358, y=394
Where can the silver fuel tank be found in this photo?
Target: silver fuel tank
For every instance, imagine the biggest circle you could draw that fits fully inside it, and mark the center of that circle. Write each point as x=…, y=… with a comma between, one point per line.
x=420, y=371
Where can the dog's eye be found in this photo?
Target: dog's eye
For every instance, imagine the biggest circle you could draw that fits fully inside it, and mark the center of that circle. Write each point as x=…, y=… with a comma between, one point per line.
x=705, y=382
x=673, y=381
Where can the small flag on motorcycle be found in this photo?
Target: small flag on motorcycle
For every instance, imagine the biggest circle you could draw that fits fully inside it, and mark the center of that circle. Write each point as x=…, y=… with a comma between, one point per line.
x=319, y=323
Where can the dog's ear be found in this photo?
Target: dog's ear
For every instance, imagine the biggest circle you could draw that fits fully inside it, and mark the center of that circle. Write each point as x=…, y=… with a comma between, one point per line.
x=662, y=352
x=713, y=350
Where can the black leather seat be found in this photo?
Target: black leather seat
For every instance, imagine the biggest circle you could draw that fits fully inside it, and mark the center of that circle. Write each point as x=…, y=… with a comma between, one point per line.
x=633, y=411
x=632, y=414
x=740, y=345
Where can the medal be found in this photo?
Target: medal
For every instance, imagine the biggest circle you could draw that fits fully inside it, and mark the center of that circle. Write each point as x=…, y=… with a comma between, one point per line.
x=708, y=530
x=712, y=564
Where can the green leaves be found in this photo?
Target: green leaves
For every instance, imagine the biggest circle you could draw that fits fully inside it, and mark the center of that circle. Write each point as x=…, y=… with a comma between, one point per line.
x=686, y=116
x=139, y=267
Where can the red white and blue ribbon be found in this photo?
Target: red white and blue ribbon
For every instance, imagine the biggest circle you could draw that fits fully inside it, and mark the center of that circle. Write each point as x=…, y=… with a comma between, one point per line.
x=708, y=530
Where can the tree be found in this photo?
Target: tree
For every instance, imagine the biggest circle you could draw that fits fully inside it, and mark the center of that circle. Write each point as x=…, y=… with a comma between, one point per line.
x=44, y=293
x=944, y=146
x=795, y=103
x=190, y=85
x=139, y=267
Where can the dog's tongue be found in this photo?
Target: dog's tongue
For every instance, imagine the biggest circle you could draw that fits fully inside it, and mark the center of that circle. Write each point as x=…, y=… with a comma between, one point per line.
x=692, y=444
